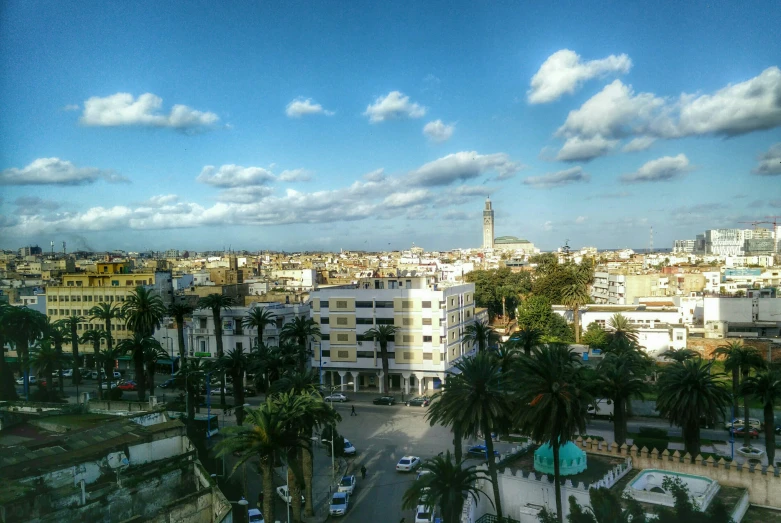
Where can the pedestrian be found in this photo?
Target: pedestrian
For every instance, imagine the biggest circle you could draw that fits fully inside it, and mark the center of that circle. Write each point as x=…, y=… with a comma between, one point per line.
x=352, y=411
x=363, y=472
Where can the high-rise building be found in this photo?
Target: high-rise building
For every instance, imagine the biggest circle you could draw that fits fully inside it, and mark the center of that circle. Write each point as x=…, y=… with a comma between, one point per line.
x=684, y=246
x=488, y=225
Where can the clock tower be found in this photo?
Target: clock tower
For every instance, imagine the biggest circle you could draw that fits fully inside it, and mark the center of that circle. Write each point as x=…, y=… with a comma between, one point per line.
x=488, y=225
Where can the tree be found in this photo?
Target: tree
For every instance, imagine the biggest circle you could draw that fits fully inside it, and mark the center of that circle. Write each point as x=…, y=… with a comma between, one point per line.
x=300, y=331
x=190, y=378
x=606, y=507
x=259, y=318
x=72, y=324
x=44, y=359
x=574, y=295
x=144, y=311
x=446, y=486
x=621, y=329
x=95, y=336
x=766, y=387
x=137, y=347
x=551, y=406
x=152, y=352
x=106, y=312
x=739, y=358
x=688, y=393
x=679, y=355
x=382, y=334
x=234, y=362
x=552, y=279
x=178, y=311
x=480, y=333
x=445, y=410
x=105, y=361
x=477, y=388
x=526, y=338
x=621, y=378
x=595, y=336
x=7, y=384
x=25, y=327
x=499, y=289
x=216, y=303
x=535, y=313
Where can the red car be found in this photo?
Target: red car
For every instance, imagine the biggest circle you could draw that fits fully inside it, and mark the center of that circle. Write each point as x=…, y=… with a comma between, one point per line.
x=127, y=385
x=741, y=431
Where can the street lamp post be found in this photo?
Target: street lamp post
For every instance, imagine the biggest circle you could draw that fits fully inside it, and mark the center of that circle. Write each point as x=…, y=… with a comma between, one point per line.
x=242, y=502
x=333, y=428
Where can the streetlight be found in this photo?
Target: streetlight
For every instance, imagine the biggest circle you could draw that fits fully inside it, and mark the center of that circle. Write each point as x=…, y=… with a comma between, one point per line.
x=333, y=427
x=243, y=502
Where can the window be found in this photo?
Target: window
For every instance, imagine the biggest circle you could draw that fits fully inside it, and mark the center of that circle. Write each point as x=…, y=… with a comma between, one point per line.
x=88, y=298
x=407, y=355
x=341, y=304
x=426, y=321
x=364, y=304
x=365, y=354
x=426, y=304
x=237, y=326
x=679, y=337
x=407, y=338
x=201, y=323
x=406, y=304
x=384, y=321
x=342, y=337
x=341, y=321
x=78, y=284
x=427, y=356
x=426, y=339
x=115, y=283
x=65, y=298
x=343, y=354
x=62, y=312
x=52, y=312
x=364, y=321
x=325, y=353
x=239, y=346
x=128, y=282
x=325, y=337
x=468, y=314
x=408, y=284
x=323, y=304
x=70, y=284
x=442, y=339
x=325, y=321
x=54, y=298
x=406, y=321
x=384, y=304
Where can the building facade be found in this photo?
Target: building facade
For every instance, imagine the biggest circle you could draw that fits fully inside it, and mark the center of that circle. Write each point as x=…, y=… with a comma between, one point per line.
x=488, y=225
x=430, y=319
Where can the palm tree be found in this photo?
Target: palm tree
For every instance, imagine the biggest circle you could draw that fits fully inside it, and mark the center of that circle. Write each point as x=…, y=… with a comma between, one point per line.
x=444, y=410
x=72, y=324
x=679, y=355
x=7, y=385
x=216, y=303
x=382, y=334
x=480, y=333
x=477, y=388
x=574, y=296
x=143, y=310
x=739, y=358
x=446, y=486
x=621, y=328
x=620, y=378
x=766, y=387
x=25, y=326
x=551, y=406
x=137, y=346
x=178, y=311
x=259, y=318
x=95, y=336
x=105, y=361
x=689, y=392
x=106, y=312
x=190, y=377
x=527, y=338
x=44, y=358
x=57, y=334
x=300, y=331
x=266, y=436
x=152, y=352
x=235, y=363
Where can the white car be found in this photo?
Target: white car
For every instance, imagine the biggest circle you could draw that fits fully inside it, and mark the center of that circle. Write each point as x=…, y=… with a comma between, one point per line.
x=255, y=516
x=283, y=493
x=347, y=484
x=349, y=450
x=31, y=380
x=67, y=373
x=339, y=503
x=424, y=514
x=408, y=464
x=338, y=396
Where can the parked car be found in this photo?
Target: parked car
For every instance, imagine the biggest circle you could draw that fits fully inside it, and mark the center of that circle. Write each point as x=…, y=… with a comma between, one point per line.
x=341, y=398
x=479, y=451
x=741, y=431
x=67, y=373
x=420, y=401
x=104, y=385
x=347, y=484
x=167, y=384
x=738, y=422
x=284, y=495
x=339, y=503
x=408, y=464
x=255, y=516
x=349, y=450
x=31, y=380
x=424, y=514
x=128, y=385
x=384, y=400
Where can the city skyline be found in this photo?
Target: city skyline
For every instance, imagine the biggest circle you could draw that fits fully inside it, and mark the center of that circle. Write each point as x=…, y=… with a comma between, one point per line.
x=301, y=126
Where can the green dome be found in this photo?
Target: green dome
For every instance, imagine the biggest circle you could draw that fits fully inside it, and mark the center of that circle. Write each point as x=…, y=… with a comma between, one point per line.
x=572, y=459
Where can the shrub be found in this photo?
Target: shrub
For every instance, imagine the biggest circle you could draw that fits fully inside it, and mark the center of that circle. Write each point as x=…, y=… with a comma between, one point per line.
x=653, y=432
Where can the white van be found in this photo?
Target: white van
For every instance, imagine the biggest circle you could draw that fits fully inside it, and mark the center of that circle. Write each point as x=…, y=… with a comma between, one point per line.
x=754, y=423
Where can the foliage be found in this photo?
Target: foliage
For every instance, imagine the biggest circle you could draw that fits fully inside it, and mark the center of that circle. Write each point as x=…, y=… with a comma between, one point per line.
x=383, y=334
x=766, y=387
x=535, y=313
x=560, y=281
x=621, y=377
x=143, y=310
x=481, y=334
x=493, y=285
x=595, y=336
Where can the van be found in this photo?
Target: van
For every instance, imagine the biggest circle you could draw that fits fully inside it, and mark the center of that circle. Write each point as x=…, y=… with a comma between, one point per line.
x=753, y=423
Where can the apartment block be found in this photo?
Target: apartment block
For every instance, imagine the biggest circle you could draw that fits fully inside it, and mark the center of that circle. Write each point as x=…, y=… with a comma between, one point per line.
x=623, y=288
x=429, y=316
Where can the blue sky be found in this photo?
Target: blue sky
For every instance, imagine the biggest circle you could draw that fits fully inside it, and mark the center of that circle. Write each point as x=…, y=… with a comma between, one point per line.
x=364, y=125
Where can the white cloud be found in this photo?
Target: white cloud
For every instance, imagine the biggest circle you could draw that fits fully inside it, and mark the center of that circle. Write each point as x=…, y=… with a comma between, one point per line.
x=581, y=219
x=161, y=200
x=376, y=175
x=234, y=176
x=577, y=149
x=248, y=194
x=770, y=162
x=123, y=109
x=295, y=175
x=641, y=143
x=406, y=199
x=71, y=107
x=662, y=169
x=33, y=204
x=305, y=106
x=558, y=179
x=462, y=166
x=53, y=171
x=437, y=131
x=547, y=226
x=394, y=105
x=564, y=72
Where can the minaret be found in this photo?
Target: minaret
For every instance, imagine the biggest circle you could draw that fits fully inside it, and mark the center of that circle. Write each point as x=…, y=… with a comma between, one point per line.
x=488, y=225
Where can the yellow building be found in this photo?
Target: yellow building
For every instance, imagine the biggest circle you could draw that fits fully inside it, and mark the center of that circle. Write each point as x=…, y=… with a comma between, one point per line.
x=111, y=283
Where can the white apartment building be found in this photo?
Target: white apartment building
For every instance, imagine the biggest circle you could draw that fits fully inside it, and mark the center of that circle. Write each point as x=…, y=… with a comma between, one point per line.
x=429, y=317
x=200, y=337
x=295, y=279
x=741, y=317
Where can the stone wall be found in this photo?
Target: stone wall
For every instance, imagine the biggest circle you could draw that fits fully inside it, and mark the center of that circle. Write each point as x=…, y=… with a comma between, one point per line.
x=763, y=483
